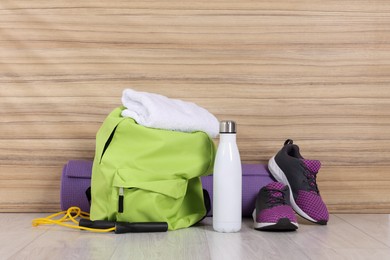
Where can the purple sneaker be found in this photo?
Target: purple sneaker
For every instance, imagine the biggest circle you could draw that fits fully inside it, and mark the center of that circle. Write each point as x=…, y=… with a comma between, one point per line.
x=273, y=210
x=290, y=168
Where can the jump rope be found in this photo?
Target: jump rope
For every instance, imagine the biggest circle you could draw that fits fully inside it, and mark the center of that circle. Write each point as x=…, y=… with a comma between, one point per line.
x=99, y=226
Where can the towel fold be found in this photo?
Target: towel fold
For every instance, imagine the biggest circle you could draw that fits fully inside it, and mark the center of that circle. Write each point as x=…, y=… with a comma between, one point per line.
x=157, y=111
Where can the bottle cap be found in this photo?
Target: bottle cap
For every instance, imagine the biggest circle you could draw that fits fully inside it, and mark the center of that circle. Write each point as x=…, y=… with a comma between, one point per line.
x=227, y=127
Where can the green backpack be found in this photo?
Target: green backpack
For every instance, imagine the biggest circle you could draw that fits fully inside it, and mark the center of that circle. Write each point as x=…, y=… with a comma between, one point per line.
x=143, y=174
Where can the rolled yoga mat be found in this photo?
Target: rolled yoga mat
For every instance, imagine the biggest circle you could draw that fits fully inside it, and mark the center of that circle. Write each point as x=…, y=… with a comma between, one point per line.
x=76, y=179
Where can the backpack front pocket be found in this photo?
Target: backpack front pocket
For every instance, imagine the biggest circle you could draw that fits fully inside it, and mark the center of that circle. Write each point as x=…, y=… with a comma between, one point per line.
x=139, y=197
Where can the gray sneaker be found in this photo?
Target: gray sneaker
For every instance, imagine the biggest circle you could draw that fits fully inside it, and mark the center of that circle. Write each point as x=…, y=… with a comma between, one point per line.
x=290, y=168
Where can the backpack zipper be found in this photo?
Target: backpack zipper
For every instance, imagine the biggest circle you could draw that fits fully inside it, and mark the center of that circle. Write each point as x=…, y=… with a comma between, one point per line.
x=120, y=201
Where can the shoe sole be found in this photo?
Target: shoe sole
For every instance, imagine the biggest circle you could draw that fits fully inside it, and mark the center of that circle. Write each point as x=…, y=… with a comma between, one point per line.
x=279, y=175
x=283, y=224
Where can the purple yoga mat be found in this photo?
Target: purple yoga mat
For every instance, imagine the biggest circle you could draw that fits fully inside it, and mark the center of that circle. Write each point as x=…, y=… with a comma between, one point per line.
x=76, y=179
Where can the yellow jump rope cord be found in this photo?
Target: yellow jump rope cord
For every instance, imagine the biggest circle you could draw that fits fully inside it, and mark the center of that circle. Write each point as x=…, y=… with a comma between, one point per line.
x=70, y=215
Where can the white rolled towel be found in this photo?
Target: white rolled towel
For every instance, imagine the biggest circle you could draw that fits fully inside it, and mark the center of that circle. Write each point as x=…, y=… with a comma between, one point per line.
x=157, y=111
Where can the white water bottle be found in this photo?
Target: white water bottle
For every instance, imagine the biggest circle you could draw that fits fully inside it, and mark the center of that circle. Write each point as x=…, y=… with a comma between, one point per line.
x=227, y=181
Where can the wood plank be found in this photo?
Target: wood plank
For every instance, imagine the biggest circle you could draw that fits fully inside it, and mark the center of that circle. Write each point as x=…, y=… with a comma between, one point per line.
x=374, y=225
x=91, y=87
x=46, y=152
x=16, y=233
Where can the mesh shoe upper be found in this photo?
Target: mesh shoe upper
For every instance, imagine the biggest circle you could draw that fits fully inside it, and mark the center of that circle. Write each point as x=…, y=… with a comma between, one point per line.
x=274, y=214
x=310, y=200
x=273, y=204
x=301, y=175
x=312, y=205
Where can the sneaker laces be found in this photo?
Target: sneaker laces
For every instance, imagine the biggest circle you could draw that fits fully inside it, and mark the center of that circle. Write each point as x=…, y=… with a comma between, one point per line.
x=275, y=198
x=311, y=180
x=310, y=170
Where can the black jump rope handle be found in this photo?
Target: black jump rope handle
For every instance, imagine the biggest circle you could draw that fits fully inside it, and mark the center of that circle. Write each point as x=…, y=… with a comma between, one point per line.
x=139, y=227
x=126, y=227
x=98, y=224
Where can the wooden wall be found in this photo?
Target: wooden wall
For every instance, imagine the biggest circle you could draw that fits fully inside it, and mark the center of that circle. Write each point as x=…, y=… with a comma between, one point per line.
x=314, y=71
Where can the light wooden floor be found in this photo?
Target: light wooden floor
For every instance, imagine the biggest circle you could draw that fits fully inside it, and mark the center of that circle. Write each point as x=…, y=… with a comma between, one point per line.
x=347, y=236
